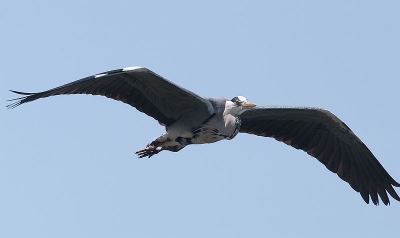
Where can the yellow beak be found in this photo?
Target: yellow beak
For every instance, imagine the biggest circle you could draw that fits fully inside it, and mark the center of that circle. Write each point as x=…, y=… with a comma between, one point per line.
x=248, y=105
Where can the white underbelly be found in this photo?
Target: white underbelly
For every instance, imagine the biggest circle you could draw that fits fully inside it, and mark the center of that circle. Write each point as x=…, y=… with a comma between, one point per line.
x=207, y=136
x=214, y=130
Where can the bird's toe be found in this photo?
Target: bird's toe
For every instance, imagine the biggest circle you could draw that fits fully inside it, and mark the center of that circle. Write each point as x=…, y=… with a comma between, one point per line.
x=149, y=151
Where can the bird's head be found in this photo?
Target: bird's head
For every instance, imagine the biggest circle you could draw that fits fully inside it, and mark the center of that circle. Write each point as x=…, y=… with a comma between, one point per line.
x=238, y=105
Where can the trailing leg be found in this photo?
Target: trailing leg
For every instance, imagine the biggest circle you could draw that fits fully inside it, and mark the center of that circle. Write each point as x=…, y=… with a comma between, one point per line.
x=159, y=144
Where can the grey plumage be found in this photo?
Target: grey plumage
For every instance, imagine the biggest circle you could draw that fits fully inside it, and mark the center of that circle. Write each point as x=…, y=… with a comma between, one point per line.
x=325, y=137
x=191, y=119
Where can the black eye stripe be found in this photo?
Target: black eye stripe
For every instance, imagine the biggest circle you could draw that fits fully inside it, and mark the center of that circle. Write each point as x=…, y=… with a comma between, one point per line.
x=235, y=99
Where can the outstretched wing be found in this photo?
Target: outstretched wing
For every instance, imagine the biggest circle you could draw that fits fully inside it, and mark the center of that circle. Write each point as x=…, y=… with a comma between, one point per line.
x=325, y=137
x=136, y=86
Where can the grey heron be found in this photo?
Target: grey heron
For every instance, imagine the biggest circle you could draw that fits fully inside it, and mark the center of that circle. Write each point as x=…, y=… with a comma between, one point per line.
x=192, y=119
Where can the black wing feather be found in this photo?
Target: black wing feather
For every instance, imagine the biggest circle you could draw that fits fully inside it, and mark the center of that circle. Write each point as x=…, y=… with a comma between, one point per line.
x=325, y=137
x=136, y=86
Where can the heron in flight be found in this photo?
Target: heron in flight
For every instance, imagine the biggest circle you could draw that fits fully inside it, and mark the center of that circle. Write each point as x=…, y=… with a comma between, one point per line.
x=191, y=119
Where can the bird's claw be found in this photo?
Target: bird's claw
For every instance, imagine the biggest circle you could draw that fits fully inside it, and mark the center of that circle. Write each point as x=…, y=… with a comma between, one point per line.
x=149, y=151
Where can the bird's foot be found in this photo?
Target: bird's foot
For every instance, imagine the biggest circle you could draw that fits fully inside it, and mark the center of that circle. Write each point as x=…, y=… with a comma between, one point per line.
x=149, y=151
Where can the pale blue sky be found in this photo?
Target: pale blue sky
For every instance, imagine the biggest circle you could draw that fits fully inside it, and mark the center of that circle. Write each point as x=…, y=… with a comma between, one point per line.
x=68, y=167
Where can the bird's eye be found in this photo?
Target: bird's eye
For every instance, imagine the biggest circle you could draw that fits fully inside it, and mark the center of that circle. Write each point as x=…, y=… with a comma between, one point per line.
x=238, y=103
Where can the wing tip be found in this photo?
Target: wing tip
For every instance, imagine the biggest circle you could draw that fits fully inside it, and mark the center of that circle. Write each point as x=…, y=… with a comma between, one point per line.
x=19, y=100
x=395, y=183
x=14, y=104
x=20, y=93
x=382, y=194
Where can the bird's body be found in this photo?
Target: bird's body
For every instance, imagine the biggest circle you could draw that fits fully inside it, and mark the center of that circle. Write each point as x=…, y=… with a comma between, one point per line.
x=191, y=119
x=220, y=122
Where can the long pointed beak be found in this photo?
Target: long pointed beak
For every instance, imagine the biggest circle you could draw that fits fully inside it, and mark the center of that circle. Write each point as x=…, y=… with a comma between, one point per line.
x=248, y=105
